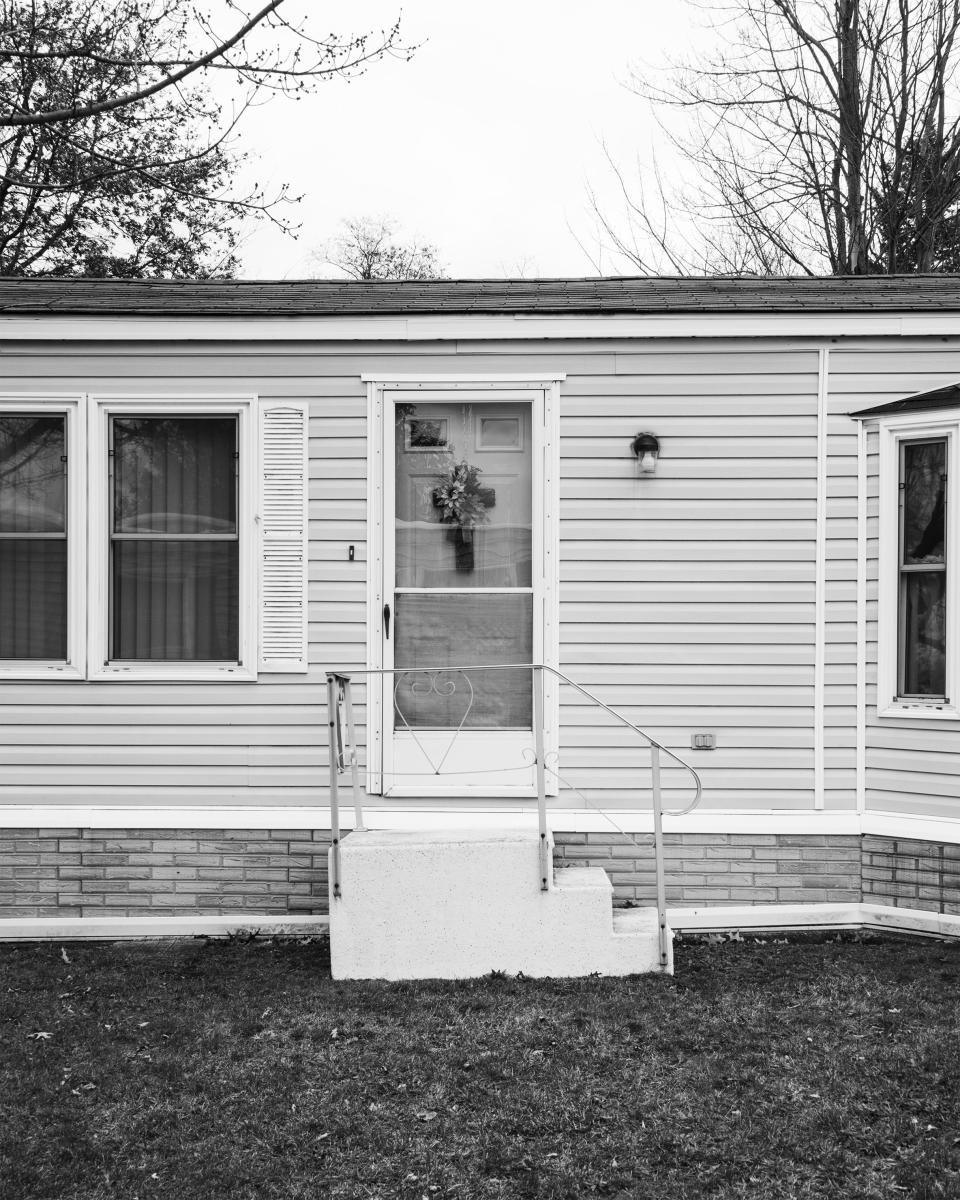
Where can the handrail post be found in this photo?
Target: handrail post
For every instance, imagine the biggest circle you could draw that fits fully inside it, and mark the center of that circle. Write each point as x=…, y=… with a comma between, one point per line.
x=332, y=697
x=658, y=853
x=538, y=741
x=354, y=766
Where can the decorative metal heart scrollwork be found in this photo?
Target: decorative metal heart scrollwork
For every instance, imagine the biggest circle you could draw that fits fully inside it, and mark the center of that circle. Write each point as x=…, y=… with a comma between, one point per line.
x=431, y=685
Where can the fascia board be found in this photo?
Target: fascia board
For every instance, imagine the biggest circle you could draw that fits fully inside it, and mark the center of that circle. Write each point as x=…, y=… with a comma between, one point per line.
x=526, y=326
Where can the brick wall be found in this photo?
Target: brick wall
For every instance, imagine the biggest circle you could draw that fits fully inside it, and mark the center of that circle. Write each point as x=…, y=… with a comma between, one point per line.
x=909, y=873
x=143, y=872
x=723, y=868
x=153, y=872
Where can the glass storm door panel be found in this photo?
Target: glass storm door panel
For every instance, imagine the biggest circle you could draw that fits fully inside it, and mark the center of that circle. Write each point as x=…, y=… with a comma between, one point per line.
x=462, y=595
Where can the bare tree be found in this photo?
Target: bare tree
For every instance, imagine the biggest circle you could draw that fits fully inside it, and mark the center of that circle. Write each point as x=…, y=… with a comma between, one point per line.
x=368, y=248
x=823, y=137
x=117, y=154
x=140, y=48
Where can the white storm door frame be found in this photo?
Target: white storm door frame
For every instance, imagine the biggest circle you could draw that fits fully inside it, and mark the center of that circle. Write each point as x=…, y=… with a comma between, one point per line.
x=384, y=392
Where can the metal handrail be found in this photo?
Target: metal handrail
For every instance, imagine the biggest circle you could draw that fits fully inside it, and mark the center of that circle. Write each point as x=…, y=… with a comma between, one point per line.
x=340, y=680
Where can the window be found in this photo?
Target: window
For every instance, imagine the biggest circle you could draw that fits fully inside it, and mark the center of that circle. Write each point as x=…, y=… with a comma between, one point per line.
x=33, y=536
x=918, y=654
x=174, y=539
x=922, y=599
x=173, y=548
x=159, y=538
x=41, y=477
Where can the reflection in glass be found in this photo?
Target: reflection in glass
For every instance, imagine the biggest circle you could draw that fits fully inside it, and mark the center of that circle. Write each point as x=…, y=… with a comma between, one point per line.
x=33, y=537
x=924, y=474
x=463, y=509
x=924, y=634
x=452, y=630
x=923, y=578
x=33, y=495
x=174, y=474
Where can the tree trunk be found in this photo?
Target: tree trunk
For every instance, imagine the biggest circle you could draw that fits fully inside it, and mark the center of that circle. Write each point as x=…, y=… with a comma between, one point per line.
x=851, y=131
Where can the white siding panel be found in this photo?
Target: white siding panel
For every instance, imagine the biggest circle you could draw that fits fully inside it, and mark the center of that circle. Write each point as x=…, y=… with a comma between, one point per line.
x=911, y=766
x=687, y=599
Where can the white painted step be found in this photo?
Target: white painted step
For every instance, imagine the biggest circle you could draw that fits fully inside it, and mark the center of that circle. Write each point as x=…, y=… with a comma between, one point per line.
x=453, y=905
x=578, y=878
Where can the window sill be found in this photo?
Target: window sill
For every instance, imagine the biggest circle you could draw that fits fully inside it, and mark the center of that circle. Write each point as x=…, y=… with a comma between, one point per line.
x=144, y=672
x=921, y=712
x=27, y=669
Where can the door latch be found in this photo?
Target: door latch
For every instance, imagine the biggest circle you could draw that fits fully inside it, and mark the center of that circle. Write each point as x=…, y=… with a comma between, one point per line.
x=386, y=621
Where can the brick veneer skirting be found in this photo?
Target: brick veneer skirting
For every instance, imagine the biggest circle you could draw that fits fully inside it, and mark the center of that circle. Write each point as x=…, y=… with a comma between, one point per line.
x=910, y=873
x=144, y=872
x=176, y=872
x=724, y=868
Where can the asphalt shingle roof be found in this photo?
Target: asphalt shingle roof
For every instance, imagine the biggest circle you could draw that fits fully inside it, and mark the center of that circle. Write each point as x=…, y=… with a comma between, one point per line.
x=943, y=397
x=324, y=298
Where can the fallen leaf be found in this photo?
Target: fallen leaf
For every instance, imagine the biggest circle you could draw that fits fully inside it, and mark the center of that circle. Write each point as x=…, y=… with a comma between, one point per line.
x=426, y=1116
x=64, y=955
x=40, y=1036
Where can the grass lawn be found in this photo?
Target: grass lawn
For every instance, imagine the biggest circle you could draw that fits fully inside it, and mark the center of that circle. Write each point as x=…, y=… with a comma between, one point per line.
x=222, y=1069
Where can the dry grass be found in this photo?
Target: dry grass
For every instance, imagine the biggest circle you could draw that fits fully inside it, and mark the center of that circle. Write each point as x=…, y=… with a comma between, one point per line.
x=215, y=1070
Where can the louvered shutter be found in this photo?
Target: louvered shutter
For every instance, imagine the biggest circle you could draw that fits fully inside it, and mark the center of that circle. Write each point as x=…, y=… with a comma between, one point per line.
x=283, y=538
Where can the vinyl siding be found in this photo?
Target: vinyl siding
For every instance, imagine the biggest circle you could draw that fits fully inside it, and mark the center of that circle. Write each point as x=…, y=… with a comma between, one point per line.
x=912, y=766
x=687, y=600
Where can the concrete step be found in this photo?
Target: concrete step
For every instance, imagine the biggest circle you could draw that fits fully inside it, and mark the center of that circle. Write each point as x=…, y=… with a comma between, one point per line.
x=578, y=878
x=456, y=905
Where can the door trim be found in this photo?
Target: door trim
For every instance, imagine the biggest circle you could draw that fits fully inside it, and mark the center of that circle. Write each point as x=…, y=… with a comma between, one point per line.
x=546, y=539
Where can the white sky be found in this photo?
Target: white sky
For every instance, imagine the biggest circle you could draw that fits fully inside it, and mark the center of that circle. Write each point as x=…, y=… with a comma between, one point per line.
x=483, y=144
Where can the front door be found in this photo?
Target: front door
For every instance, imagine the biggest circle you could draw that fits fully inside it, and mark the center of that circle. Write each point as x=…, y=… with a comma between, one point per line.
x=462, y=588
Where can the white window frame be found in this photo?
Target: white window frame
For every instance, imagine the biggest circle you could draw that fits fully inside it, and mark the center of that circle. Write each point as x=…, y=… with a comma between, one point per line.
x=893, y=431
x=100, y=410
x=74, y=665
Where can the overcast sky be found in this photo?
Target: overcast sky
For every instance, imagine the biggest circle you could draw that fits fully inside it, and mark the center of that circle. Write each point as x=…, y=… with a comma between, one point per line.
x=482, y=144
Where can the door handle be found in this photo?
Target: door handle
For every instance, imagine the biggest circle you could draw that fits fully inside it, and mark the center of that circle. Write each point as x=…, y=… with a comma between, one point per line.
x=386, y=621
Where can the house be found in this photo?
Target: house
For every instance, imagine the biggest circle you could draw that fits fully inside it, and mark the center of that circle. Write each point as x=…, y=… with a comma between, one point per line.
x=213, y=493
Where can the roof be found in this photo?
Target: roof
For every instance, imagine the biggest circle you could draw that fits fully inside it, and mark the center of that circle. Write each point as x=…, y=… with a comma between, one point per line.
x=324, y=297
x=945, y=397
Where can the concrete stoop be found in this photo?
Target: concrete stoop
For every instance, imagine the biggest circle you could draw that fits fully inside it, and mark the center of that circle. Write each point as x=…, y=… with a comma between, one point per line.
x=437, y=905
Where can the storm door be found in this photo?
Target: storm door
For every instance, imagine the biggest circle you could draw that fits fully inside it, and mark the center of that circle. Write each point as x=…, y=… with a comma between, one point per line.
x=462, y=589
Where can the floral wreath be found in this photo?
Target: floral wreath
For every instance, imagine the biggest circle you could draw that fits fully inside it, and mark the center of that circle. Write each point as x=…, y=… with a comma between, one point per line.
x=460, y=497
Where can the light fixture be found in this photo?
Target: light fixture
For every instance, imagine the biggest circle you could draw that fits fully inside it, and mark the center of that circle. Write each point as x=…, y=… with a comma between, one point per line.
x=647, y=449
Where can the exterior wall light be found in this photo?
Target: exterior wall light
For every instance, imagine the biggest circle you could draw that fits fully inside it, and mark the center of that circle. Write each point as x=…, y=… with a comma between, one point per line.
x=647, y=450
